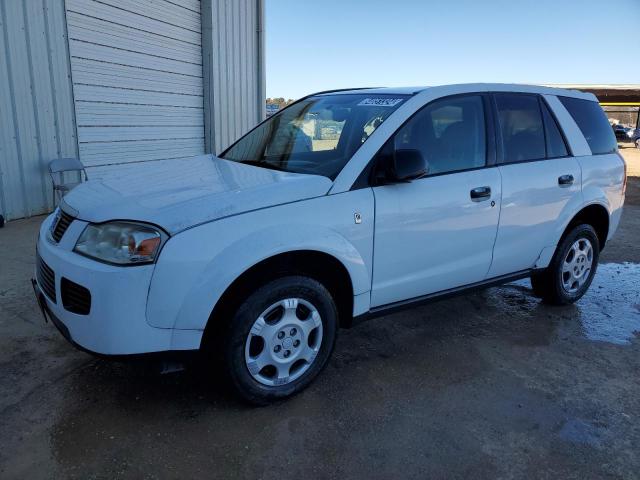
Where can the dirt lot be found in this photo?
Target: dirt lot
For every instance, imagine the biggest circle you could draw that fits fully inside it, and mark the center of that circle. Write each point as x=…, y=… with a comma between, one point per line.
x=492, y=384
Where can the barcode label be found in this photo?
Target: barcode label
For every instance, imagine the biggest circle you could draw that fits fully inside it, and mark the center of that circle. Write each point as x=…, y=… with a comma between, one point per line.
x=380, y=102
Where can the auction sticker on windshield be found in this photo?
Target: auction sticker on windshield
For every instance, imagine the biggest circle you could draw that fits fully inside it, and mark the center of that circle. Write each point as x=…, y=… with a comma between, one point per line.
x=380, y=102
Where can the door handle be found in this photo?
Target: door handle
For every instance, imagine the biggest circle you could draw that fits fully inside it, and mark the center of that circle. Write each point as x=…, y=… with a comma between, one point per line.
x=565, y=180
x=479, y=194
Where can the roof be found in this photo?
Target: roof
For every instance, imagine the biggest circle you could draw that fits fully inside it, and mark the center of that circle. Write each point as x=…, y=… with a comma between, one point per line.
x=465, y=87
x=375, y=91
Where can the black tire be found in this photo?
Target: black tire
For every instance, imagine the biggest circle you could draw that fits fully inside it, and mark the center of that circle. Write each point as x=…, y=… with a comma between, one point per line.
x=638, y=143
x=538, y=283
x=548, y=283
x=238, y=330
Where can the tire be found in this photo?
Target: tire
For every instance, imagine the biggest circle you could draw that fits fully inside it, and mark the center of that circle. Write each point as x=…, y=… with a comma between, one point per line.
x=538, y=282
x=638, y=143
x=280, y=339
x=572, y=268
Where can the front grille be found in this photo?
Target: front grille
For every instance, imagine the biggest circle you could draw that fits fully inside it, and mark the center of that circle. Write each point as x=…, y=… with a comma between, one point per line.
x=60, y=226
x=46, y=279
x=75, y=298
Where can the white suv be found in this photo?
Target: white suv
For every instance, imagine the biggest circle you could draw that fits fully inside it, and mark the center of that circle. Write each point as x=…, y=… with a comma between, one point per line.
x=345, y=204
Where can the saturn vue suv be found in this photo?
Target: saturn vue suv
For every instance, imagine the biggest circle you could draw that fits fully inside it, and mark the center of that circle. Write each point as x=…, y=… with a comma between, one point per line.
x=344, y=205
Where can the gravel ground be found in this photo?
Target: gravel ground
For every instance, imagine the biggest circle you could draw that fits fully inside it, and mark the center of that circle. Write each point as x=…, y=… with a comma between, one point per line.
x=492, y=384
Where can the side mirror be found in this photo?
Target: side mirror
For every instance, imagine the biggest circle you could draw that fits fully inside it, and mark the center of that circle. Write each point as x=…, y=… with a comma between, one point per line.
x=407, y=165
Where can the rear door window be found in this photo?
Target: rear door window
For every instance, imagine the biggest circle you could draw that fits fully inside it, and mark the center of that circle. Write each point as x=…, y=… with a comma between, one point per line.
x=593, y=124
x=554, y=139
x=521, y=127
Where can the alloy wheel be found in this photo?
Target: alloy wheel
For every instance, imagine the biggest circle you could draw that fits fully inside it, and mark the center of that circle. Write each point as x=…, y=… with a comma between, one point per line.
x=283, y=342
x=577, y=265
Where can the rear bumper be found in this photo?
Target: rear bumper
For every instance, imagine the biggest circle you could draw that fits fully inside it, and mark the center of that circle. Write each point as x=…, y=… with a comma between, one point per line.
x=116, y=322
x=614, y=222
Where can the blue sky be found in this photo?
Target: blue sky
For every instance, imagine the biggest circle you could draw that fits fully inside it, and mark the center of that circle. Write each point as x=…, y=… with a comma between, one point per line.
x=316, y=45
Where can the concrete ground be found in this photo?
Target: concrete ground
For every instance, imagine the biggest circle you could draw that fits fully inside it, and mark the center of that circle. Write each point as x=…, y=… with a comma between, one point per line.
x=492, y=384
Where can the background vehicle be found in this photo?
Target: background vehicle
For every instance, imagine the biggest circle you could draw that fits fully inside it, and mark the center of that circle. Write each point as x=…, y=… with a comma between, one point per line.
x=626, y=134
x=621, y=132
x=258, y=257
x=634, y=135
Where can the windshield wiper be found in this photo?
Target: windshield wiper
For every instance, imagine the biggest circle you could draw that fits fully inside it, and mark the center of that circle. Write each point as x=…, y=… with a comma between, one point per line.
x=263, y=164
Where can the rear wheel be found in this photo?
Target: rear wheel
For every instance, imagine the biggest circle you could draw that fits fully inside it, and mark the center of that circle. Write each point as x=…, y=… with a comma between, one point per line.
x=637, y=142
x=571, y=271
x=538, y=282
x=280, y=339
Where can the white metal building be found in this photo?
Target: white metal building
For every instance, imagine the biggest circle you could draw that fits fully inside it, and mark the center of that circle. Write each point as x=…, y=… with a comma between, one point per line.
x=120, y=81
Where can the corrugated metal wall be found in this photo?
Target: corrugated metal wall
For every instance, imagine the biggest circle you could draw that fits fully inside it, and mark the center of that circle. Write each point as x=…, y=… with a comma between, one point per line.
x=36, y=103
x=137, y=79
x=233, y=46
x=142, y=72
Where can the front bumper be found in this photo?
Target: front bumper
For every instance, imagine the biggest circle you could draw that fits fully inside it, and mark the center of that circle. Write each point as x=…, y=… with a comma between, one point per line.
x=116, y=323
x=49, y=316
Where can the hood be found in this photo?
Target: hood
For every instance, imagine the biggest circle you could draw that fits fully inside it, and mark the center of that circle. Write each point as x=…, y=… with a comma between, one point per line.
x=178, y=194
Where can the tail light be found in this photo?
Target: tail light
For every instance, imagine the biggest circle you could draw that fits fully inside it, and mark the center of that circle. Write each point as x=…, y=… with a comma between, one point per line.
x=624, y=181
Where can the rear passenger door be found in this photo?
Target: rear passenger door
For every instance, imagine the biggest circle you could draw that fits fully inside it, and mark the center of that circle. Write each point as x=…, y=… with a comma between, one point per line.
x=540, y=179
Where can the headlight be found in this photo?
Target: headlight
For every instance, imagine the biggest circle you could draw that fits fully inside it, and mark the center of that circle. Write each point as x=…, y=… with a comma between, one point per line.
x=122, y=243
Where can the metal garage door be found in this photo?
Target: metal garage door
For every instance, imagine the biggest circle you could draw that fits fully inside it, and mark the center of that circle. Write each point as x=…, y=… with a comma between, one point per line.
x=137, y=79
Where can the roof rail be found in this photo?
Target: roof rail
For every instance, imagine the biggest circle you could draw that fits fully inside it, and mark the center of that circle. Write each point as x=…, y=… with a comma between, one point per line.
x=335, y=90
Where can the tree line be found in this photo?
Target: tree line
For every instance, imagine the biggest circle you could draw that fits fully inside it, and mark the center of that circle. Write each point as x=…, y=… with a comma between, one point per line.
x=280, y=101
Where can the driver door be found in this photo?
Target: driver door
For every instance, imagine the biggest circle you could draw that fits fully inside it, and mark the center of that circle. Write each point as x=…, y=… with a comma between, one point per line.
x=438, y=232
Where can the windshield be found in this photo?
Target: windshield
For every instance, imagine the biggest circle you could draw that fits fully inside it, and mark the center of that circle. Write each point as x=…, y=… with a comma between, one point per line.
x=317, y=135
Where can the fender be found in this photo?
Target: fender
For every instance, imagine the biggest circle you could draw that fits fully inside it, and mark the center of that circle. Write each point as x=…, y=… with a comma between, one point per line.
x=603, y=185
x=602, y=179
x=198, y=265
x=547, y=252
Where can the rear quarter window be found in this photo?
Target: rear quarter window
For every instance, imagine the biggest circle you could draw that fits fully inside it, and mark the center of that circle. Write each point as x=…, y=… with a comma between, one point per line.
x=593, y=124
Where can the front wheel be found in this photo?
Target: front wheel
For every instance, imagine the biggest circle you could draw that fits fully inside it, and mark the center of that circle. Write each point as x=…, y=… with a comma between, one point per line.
x=280, y=339
x=571, y=271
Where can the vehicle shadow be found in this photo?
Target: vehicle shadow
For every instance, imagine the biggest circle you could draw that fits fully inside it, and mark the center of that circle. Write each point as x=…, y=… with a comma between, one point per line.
x=509, y=313
x=424, y=376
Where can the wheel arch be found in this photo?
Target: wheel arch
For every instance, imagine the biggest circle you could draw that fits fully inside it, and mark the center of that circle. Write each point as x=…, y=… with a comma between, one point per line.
x=319, y=265
x=596, y=215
